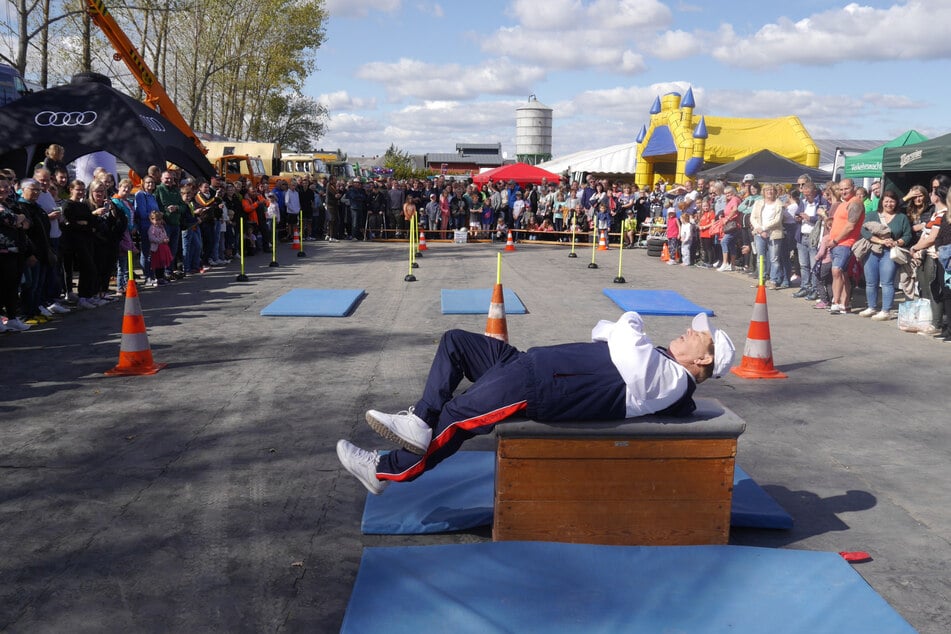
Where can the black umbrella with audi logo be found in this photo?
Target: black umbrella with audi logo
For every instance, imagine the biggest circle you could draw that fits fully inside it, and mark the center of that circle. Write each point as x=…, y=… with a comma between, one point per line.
x=87, y=116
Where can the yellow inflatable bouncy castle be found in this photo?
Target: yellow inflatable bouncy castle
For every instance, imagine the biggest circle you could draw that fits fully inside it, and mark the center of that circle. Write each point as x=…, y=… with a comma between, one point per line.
x=676, y=145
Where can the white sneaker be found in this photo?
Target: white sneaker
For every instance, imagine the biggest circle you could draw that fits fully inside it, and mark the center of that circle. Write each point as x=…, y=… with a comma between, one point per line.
x=881, y=316
x=98, y=301
x=59, y=308
x=404, y=428
x=86, y=303
x=16, y=325
x=361, y=464
x=868, y=312
x=46, y=312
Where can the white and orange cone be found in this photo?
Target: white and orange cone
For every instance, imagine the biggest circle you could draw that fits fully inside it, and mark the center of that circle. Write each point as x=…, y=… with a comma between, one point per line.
x=758, y=351
x=295, y=245
x=422, y=242
x=509, y=243
x=495, y=325
x=135, y=356
x=603, y=241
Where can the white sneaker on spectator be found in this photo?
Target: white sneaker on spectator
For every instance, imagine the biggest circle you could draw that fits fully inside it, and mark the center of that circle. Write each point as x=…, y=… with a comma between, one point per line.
x=404, y=428
x=881, y=316
x=59, y=308
x=46, y=312
x=16, y=325
x=361, y=464
x=868, y=312
x=86, y=303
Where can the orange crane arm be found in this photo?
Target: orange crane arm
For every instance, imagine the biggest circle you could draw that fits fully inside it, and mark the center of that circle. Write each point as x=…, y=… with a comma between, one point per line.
x=155, y=95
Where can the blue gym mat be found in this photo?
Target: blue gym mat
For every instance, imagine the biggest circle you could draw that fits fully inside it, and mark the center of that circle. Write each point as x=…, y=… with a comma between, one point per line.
x=550, y=587
x=475, y=301
x=648, y=302
x=314, y=302
x=459, y=495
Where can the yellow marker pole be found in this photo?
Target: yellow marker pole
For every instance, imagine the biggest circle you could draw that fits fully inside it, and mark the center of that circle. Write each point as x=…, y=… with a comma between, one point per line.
x=498, y=269
x=131, y=276
x=273, y=243
x=572, y=254
x=410, y=277
x=241, y=276
x=762, y=265
x=412, y=243
x=620, y=278
x=594, y=245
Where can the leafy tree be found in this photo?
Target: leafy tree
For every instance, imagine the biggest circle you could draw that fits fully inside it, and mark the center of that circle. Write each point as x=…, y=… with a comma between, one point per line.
x=293, y=121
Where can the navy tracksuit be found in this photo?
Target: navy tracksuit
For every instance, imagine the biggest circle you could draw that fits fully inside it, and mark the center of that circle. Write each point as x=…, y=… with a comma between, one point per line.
x=574, y=381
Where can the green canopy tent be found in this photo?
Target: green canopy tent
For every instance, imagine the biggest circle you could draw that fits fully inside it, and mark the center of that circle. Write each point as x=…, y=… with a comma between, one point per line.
x=916, y=164
x=869, y=164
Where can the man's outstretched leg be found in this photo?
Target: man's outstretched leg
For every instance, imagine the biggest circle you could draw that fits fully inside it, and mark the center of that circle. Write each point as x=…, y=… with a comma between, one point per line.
x=460, y=355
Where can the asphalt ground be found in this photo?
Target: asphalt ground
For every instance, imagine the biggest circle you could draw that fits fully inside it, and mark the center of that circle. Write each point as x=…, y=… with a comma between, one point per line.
x=208, y=497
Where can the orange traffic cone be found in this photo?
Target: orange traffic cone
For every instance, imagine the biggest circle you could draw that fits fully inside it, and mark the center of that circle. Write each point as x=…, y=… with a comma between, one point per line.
x=295, y=245
x=510, y=242
x=758, y=352
x=495, y=325
x=135, y=356
x=602, y=241
x=665, y=254
x=422, y=242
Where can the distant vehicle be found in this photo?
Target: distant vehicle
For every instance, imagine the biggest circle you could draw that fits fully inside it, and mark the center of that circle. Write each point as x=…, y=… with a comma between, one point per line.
x=12, y=86
x=316, y=164
x=269, y=154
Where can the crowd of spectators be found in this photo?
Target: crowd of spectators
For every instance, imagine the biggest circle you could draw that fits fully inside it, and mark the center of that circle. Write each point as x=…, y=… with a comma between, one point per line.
x=826, y=241
x=822, y=240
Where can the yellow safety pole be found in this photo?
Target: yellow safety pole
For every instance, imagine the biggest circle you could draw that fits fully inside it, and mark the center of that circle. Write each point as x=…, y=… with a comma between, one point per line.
x=620, y=277
x=273, y=243
x=594, y=245
x=241, y=276
x=498, y=269
x=574, y=226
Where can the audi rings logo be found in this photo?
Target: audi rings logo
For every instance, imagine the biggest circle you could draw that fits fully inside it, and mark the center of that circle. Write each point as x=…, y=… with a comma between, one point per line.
x=152, y=123
x=48, y=118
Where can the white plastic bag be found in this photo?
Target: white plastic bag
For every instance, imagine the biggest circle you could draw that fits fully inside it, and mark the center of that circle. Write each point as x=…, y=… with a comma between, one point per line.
x=914, y=315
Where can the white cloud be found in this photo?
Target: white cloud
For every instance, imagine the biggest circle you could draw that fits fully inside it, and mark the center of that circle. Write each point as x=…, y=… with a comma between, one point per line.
x=341, y=100
x=360, y=8
x=854, y=32
x=409, y=78
x=672, y=45
x=571, y=34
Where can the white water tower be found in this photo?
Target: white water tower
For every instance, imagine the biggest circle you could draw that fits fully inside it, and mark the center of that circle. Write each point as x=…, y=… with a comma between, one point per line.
x=533, y=132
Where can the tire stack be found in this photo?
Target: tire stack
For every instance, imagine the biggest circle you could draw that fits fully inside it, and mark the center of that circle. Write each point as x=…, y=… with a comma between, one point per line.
x=655, y=246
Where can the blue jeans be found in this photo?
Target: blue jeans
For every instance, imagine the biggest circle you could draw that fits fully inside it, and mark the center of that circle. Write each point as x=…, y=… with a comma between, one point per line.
x=880, y=269
x=191, y=249
x=777, y=272
x=807, y=260
x=145, y=254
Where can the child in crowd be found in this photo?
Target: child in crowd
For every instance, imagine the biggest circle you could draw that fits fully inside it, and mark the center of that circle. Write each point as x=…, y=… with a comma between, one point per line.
x=501, y=230
x=686, y=238
x=273, y=212
x=161, y=254
x=487, y=215
x=824, y=266
x=629, y=230
x=673, y=236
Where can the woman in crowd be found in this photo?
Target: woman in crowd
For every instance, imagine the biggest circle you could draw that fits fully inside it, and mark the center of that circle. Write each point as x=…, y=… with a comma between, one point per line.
x=731, y=228
x=930, y=274
x=880, y=269
x=14, y=249
x=79, y=242
x=917, y=209
x=766, y=219
x=108, y=227
x=124, y=204
x=705, y=226
x=145, y=204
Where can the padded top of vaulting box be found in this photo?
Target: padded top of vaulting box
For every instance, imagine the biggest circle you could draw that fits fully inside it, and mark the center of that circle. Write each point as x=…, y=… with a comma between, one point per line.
x=710, y=420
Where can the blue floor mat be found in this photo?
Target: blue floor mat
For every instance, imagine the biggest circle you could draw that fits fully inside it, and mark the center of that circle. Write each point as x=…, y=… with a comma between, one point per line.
x=314, y=302
x=652, y=302
x=459, y=495
x=475, y=301
x=548, y=587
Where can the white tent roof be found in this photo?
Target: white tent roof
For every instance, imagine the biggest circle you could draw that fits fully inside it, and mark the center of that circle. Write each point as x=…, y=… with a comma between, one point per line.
x=614, y=159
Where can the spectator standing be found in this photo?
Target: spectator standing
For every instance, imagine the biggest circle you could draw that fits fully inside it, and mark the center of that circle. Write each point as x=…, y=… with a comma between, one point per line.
x=79, y=243
x=880, y=269
x=846, y=228
x=145, y=204
x=930, y=273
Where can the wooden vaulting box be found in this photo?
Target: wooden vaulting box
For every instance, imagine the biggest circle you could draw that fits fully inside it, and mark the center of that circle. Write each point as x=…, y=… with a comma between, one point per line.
x=654, y=480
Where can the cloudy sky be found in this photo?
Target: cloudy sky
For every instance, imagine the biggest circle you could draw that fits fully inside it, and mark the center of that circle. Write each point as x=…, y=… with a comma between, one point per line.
x=426, y=75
